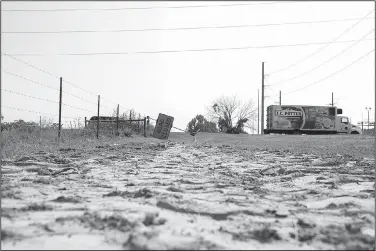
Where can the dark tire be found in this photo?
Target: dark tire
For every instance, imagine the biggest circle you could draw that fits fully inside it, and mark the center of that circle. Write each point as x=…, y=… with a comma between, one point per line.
x=354, y=132
x=297, y=132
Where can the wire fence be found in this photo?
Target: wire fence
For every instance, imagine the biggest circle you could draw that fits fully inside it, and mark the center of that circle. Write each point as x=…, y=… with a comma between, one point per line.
x=114, y=122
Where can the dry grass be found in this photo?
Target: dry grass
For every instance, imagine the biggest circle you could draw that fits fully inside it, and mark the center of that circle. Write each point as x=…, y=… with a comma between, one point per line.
x=20, y=142
x=356, y=146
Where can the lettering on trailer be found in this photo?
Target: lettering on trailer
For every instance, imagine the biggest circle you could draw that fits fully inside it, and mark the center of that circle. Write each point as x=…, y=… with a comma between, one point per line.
x=288, y=113
x=163, y=126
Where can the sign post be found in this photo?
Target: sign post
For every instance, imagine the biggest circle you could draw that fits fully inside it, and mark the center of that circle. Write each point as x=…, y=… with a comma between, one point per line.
x=163, y=126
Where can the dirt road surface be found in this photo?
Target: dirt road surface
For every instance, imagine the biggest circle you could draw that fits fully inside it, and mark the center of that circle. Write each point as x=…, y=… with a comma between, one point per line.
x=147, y=195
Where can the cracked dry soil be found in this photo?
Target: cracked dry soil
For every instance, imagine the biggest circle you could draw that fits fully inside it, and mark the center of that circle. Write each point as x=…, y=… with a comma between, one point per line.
x=175, y=196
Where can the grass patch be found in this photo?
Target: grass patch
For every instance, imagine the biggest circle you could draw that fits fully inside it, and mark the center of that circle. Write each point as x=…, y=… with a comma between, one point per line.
x=42, y=180
x=348, y=146
x=9, y=235
x=36, y=207
x=94, y=221
x=17, y=143
x=67, y=199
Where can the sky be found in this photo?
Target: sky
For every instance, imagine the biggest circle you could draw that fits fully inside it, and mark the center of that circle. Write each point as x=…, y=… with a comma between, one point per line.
x=182, y=84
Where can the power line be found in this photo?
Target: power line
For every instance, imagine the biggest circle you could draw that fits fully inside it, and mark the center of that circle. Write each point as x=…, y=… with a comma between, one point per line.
x=182, y=28
x=48, y=73
x=179, y=51
x=124, y=108
x=105, y=106
x=144, y=8
x=73, y=95
x=326, y=45
x=47, y=114
x=109, y=101
x=79, y=87
x=341, y=52
x=332, y=73
x=48, y=100
x=33, y=66
x=35, y=82
x=76, y=108
x=269, y=87
x=113, y=103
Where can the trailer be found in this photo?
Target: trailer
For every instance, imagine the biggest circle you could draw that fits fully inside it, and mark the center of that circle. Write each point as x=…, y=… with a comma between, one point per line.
x=301, y=119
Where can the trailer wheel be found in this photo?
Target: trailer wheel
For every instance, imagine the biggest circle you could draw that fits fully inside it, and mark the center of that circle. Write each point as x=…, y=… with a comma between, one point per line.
x=297, y=132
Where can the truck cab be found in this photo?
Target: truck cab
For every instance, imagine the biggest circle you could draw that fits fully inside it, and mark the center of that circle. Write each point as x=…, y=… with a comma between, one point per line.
x=344, y=126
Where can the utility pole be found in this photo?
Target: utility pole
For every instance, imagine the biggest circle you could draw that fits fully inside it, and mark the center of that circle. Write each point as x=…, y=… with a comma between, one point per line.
x=332, y=100
x=145, y=127
x=258, y=112
x=262, y=100
x=61, y=92
x=99, y=97
x=130, y=119
x=368, y=109
x=117, y=121
x=280, y=102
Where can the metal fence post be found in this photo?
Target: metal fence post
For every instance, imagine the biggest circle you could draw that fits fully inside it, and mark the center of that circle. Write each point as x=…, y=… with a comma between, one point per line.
x=145, y=127
x=99, y=97
x=61, y=93
x=130, y=119
x=117, y=121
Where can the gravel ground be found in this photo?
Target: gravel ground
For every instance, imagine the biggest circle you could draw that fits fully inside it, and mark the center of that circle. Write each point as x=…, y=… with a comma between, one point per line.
x=149, y=195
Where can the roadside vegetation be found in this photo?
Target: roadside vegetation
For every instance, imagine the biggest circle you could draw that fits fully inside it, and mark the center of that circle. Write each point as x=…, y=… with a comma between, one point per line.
x=26, y=138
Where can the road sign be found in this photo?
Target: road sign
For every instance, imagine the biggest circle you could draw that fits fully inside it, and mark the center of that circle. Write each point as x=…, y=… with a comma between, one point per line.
x=163, y=126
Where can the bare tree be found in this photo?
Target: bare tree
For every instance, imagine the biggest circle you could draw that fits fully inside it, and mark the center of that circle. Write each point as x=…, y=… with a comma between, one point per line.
x=47, y=122
x=231, y=114
x=123, y=116
x=247, y=114
x=79, y=122
x=132, y=114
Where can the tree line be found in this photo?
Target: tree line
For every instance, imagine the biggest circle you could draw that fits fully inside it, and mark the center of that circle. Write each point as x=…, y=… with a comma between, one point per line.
x=227, y=114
